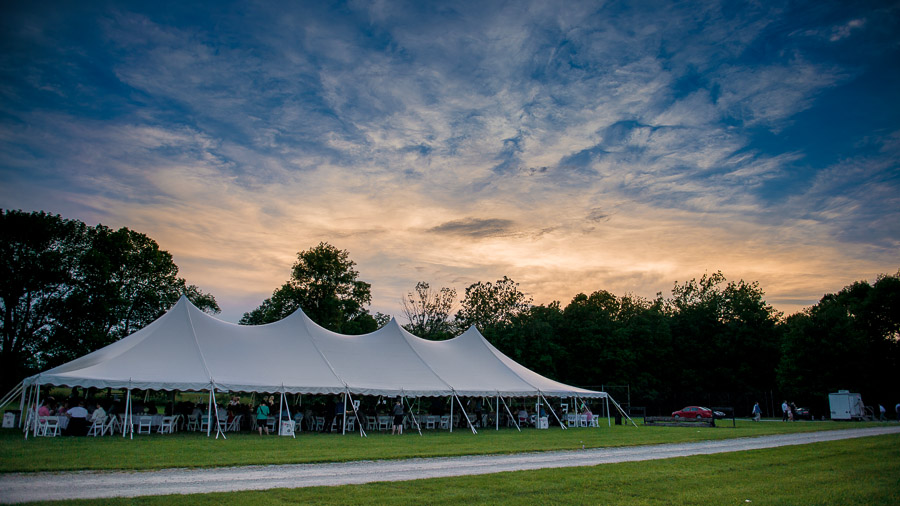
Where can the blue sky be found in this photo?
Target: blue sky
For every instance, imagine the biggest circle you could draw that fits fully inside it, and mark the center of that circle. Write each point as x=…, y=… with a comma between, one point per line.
x=572, y=146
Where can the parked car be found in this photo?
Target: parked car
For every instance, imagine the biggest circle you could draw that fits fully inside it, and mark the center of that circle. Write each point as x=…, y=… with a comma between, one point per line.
x=802, y=414
x=693, y=412
x=697, y=412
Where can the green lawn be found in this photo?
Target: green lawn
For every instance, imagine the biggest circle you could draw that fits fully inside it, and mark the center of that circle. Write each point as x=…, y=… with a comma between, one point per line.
x=195, y=450
x=855, y=471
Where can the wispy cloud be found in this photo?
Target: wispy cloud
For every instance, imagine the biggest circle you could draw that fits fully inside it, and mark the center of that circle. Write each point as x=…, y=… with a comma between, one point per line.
x=599, y=146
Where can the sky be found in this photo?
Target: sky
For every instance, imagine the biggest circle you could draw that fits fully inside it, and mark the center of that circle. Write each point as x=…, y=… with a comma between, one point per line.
x=572, y=146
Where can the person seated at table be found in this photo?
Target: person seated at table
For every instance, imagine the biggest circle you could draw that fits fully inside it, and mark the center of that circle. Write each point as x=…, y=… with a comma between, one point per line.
x=523, y=416
x=44, y=411
x=77, y=420
x=98, y=415
x=588, y=416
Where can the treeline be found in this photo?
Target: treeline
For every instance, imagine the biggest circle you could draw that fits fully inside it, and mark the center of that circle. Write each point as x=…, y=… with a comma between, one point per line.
x=67, y=289
x=711, y=341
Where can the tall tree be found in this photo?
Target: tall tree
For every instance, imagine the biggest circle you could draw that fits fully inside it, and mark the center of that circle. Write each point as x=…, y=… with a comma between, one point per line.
x=491, y=304
x=848, y=340
x=38, y=255
x=325, y=285
x=67, y=289
x=724, y=336
x=124, y=281
x=428, y=312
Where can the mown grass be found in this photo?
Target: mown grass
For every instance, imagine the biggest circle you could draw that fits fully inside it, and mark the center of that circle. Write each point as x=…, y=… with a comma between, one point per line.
x=855, y=471
x=196, y=450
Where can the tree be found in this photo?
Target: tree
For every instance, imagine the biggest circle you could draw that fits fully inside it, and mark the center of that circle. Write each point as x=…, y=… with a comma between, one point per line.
x=428, y=312
x=848, y=340
x=491, y=304
x=68, y=289
x=124, y=282
x=724, y=336
x=37, y=259
x=324, y=284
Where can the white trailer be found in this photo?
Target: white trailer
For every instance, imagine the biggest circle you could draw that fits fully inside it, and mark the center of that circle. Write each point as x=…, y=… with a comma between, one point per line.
x=846, y=406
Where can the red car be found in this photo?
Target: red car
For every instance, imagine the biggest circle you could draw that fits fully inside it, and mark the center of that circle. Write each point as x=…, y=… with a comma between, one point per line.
x=693, y=412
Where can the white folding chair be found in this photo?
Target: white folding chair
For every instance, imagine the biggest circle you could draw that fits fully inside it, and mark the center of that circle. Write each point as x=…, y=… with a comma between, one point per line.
x=320, y=423
x=112, y=425
x=570, y=420
x=49, y=427
x=97, y=428
x=270, y=423
x=445, y=422
x=193, y=423
x=430, y=421
x=167, y=425
x=371, y=423
x=204, y=423
x=144, y=424
x=384, y=423
x=351, y=423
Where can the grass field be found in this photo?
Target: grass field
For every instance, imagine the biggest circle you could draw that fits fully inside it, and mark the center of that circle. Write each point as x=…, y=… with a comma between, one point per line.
x=855, y=471
x=196, y=450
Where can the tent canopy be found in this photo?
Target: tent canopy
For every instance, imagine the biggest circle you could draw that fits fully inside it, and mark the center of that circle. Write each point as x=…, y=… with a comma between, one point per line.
x=187, y=349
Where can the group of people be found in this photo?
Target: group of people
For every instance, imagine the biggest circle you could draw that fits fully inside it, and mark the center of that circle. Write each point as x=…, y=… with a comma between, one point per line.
x=78, y=417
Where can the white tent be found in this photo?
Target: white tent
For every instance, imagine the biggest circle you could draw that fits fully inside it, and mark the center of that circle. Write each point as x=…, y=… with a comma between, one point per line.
x=187, y=349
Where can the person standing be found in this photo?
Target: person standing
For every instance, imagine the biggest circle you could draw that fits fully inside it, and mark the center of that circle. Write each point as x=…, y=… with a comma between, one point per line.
x=784, y=411
x=262, y=417
x=757, y=413
x=398, y=418
x=881, y=413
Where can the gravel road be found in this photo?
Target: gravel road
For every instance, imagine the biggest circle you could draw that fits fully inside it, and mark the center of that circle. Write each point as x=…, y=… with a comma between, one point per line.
x=21, y=487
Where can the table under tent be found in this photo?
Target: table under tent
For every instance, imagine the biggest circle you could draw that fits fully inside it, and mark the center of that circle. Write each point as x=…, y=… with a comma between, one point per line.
x=189, y=350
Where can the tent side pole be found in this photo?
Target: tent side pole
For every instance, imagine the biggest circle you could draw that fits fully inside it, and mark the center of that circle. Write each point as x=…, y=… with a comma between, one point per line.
x=551, y=410
x=34, y=416
x=497, y=413
x=451, y=413
x=25, y=406
x=606, y=402
x=362, y=433
x=511, y=417
x=216, y=407
x=466, y=415
x=344, y=423
x=126, y=419
x=287, y=409
x=415, y=418
x=209, y=414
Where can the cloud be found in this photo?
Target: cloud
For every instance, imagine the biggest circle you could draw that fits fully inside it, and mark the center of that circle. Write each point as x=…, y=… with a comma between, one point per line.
x=597, y=146
x=475, y=227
